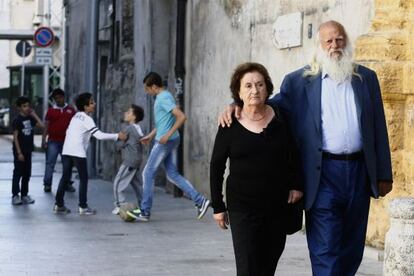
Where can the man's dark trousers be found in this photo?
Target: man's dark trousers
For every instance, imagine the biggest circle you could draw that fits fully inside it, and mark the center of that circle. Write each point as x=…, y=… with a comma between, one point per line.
x=337, y=222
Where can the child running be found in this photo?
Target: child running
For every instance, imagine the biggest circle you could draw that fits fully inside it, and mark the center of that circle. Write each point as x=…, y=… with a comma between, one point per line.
x=168, y=119
x=79, y=132
x=131, y=149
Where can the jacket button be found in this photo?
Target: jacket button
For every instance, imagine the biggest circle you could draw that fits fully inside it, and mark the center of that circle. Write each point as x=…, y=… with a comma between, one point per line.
x=318, y=168
x=319, y=149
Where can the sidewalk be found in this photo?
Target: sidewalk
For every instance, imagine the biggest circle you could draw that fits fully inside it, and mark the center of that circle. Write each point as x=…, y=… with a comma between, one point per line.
x=34, y=241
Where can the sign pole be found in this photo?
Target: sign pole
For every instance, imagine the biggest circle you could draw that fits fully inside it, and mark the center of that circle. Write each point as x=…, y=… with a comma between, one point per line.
x=23, y=69
x=45, y=89
x=46, y=69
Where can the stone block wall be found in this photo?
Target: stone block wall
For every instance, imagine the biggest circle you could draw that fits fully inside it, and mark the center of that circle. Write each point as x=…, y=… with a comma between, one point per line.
x=388, y=49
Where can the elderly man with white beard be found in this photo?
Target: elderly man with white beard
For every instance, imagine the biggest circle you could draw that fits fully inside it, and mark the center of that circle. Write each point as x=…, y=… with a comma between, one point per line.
x=337, y=119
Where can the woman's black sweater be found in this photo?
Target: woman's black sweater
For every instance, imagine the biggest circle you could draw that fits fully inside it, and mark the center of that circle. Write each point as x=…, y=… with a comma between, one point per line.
x=263, y=167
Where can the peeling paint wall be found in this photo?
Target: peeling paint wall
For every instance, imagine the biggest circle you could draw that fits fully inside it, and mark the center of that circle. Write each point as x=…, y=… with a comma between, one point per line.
x=222, y=34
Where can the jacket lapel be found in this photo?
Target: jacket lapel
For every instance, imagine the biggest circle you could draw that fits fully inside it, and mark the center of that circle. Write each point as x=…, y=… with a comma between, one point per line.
x=359, y=92
x=313, y=92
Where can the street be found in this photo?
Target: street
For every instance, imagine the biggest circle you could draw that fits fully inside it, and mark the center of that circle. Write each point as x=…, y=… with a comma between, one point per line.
x=35, y=241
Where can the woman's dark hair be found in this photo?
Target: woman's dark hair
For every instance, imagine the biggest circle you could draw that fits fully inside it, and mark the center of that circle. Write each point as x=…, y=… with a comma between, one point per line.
x=21, y=101
x=82, y=100
x=138, y=112
x=239, y=73
x=153, y=79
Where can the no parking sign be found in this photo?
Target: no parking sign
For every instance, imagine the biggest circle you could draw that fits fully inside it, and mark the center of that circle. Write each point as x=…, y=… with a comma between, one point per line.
x=44, y=37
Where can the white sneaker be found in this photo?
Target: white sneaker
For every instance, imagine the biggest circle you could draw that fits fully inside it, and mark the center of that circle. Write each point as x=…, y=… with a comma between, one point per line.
x=201, y=210
x=16, y=200
x=27, y=200
x=115, y=211
x=86, y=211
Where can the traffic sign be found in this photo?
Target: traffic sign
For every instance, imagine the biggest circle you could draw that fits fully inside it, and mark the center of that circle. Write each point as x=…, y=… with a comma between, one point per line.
x=23, y=48
x=44, y=37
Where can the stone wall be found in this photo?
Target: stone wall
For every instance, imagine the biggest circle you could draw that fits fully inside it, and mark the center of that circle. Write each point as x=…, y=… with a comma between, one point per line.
x=388, y=49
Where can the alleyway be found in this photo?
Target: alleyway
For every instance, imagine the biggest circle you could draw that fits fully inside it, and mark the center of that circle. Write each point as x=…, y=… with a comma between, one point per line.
x=34, y=241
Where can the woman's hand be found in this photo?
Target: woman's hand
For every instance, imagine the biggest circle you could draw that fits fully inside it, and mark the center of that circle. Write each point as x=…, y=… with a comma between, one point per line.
x=294, y=196
x=222, y=220
x=20, y=157
x=224, y=118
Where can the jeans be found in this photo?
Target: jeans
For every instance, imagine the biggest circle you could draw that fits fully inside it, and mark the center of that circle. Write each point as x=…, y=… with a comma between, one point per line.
x=22, y=171
x=80, y=163
x=166, y=154
x=52, y=152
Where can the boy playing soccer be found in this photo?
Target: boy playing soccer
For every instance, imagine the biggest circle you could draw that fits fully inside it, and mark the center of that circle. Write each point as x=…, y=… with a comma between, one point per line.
x=131, y=150
x=23, y=133
x=168, y=119
x=79, y=132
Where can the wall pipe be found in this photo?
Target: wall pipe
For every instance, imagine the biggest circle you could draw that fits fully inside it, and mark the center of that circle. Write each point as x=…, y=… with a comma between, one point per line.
x=180, y=77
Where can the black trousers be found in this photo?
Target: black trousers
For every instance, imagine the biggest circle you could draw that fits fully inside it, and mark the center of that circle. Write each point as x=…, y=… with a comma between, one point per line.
x=80, y=163
x=22, y=171
x=258, y=240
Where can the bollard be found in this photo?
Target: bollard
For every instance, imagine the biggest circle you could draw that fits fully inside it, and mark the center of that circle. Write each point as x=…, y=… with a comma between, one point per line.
x=399, y=240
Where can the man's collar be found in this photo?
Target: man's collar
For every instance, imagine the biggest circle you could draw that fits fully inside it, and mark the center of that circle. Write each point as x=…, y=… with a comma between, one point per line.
x=58, y=107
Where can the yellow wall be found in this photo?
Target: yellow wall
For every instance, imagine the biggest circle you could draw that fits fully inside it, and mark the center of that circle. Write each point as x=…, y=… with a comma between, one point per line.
x=388, y=49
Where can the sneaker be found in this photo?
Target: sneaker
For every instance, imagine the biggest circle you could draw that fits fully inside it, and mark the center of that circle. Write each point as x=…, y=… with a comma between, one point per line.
x=70, y=189
x=86, y=211
x=201, y=210
x=47, y=188
x=61, y=210
x=138, y=215
x=27, y=200
x=115, y=211
x=16, y=200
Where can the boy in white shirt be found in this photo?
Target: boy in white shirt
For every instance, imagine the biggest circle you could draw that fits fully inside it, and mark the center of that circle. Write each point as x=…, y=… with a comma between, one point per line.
x=79, y=132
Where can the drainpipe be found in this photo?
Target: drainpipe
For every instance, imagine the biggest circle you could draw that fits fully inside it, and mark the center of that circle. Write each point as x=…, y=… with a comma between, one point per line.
x=91, y=72
x=179, y=77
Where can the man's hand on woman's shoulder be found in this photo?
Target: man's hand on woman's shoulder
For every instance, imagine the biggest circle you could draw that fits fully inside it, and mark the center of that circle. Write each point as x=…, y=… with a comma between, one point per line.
x=225, y=119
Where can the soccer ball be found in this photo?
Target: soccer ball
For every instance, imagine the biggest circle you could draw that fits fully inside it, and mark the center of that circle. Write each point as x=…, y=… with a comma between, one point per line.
x=123, y=211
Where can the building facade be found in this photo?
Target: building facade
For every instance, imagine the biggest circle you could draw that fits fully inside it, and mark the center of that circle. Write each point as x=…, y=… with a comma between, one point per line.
x=136, y=37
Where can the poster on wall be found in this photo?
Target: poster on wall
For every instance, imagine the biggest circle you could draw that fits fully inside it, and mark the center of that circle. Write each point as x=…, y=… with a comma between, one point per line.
x=287, y=30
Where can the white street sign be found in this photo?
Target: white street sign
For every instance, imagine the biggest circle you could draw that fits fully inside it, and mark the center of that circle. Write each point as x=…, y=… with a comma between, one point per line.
x=42, y=52
x=43, y=60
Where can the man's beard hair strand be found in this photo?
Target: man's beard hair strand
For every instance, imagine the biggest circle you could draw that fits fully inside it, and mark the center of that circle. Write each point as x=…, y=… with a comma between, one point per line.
x=337, y=69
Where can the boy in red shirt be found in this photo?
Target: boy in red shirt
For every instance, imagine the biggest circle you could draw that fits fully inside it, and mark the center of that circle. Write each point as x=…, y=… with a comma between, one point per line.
x=56, y=123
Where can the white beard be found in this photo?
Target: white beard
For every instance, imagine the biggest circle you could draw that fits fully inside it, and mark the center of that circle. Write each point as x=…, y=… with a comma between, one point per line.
x=339, y=69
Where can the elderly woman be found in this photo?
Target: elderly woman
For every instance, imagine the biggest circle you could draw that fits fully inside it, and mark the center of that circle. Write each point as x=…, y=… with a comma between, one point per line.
x=262, y=179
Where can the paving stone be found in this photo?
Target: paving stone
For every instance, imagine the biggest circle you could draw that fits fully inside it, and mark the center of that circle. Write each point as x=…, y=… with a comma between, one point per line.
x=35, y=241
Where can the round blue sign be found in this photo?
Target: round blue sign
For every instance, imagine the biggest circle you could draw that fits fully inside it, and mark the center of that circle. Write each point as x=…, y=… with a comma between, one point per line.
x=43, y=37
